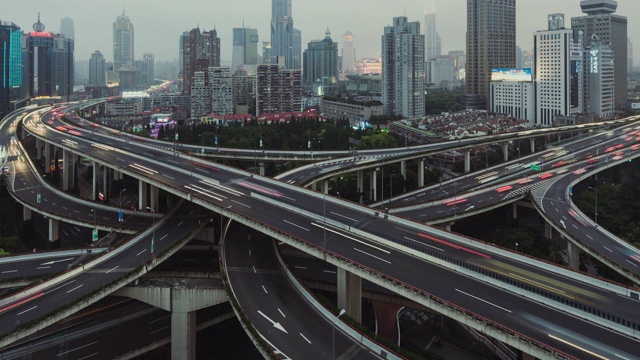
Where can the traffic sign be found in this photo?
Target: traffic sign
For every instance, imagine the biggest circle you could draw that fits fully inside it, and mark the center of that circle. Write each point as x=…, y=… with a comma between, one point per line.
x=94, y=235
x=39, y=198
x=571, y=190
x=535, y=167
x=120, y=215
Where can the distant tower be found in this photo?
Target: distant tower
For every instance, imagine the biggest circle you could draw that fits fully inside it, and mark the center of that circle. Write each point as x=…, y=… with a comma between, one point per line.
x=433, y=44
x=403, y=68
x=490, y=25
x=283, y=33
x=630, y=55
x=609, y=28
x=122, y=43
x=348, y=54
x=321, y=62
x=266, y=52
x=245, y=47
x=66, y=28
x=97, y=69
x=11, y=72
x=200, y=51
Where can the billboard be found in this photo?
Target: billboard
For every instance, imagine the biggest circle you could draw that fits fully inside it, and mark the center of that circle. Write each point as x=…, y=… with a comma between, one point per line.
x=635, y=106
x=511, y=74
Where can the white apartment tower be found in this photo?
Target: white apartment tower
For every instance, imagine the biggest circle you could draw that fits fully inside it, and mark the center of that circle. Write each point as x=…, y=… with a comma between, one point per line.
x=220, y=83
x=348, y=54
x=558, y=72
x=403, y=68
x=97, y=69
x=599, y=76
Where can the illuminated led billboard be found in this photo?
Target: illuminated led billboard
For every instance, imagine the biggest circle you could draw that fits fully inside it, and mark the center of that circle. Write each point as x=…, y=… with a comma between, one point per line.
x=511, y=74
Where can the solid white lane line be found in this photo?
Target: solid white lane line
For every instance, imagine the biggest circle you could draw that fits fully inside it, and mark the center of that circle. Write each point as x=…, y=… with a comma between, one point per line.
x=577, y=347
x=43, y=267
x=631, y=263
x=296, y=225
x=9, y=271
x=607, y=248
x=108, y=271
x=165, y=235
x=589, y=237
x=373, y=256
x=281, y=313
x=350, y=238
x=239, y=203
x=138, y=254
x=27, y=310
x=304, y=337
x=180, y=223
x=484, y=301
x=329, y=271
x=301, y=267
x=61, y=286
x=265, y=289
x=75, y=288
x=254, y=270
x=421, y=243
x=344, y=216
x=78, y=348
x=167, y=176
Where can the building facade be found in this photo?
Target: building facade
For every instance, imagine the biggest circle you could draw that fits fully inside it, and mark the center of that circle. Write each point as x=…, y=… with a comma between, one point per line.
x=403, y=68
x=558, y=73
x=433, y=43
x=599, y=78
x=610, y=28
x=244, y=94
x=491, y=43
x=278, y=89
x=200, y=50
x=11, y=72
x=321, y=63
x=66, y=28
x=97, y=69
x=282, y=35
x=356, y=112
x=245, y=48
x=220, y=83
x=122, y=43
x=348, y=54
x=513, y=97
x=439, y=70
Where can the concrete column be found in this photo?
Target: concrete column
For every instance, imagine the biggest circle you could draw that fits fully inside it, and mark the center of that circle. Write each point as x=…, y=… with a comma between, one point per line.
x=142, y=195
x=153, y=195
x=515, y=210
x=65, y=171
x=47, y=158
x=360, y=185
x=420, y=173
x=38, y=149
x=548, y=231
x=447, y=226
x=23, y=133
x=350, y=294
x=467, y=161
x=403, y=168
x=53, y=230
x=532, y=143
x=325, y=186
x=505, y=151
x=574, y=255
x=94, y=180
x=373, y=185
x=314, y=186
x=74, y=161
x=261, y=168
x=183, y=335
x=26, y=213
x=105, y=182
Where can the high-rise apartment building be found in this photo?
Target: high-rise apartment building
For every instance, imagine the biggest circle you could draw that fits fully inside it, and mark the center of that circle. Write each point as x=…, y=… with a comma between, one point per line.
x=181, y=51
x=558, y=74
x=278, y=89
x=97, y=69
x=245, y=47
x=599, y=82
x=629, y=55
x=145, y=69
x=285, y=40
x=403, y=68
x=48, y=62
x=491, y=43
x=433, y=43
x=122, y=43
x=66, y=28
x=201, y=50
x=200, y=94
x=440, y=69
x=11, y=71
x=220, y=83
x=321, y=63
x=266, y=52
x=348, y=54
x=244, y=93
x=610, y=28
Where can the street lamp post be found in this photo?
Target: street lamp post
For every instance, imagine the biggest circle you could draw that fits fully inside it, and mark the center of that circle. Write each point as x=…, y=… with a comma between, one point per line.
x=595, y=215
x=333, y=335
x=153, y=232
x=120, y=198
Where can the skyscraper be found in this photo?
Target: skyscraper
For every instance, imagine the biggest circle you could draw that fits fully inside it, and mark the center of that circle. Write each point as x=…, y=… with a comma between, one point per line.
x=558, y=75
x=11, y=72
x=245, y=47
x=122, y=43
x=297, y=50
x=403, y=68
x=49, y=62
x=278, y=89
x=609, y=28
x=282, y=35
x=348, y=54
x=630, y=55
x=266, y=52
x=200, y=51
x=321, y=62
x=433, y=43
x=97, y=69
x=146, y=69
x=491, y=43
x=66, y=28
x=599, y=84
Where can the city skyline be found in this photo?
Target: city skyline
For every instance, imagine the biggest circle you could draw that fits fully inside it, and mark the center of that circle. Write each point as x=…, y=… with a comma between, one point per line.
x=153, y=29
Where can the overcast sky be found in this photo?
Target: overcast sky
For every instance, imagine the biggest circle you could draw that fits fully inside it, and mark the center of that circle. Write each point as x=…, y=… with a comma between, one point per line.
x=159, y=23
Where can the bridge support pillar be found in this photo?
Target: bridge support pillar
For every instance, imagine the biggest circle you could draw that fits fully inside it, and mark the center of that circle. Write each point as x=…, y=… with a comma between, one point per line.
x=548, y=231
x=421, y=173
x=26, y=213
x=183, y=335
x=325, y=186
x=74, y=169
x=532, y=143
x=94, y=179
x=505, y=151
x=53, y=230
x=360, y=185
x=153, y=195
x=403, y=171
x=47, y=158
x=447, y=226
x=261, y=168
x=467, y=160
x=573, y=252
x=314, y=186
x=105, y=183
x=515, y=210
x=38, y=149
x=142, y=195
x=65, y=170
x=350, y=294
x=373, y=185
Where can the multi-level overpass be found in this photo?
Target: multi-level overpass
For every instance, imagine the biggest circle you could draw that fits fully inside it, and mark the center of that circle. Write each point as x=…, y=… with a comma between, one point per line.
x=250, y=188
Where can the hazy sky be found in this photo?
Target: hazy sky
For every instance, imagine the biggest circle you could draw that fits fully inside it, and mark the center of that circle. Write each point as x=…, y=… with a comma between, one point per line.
x=159, y=23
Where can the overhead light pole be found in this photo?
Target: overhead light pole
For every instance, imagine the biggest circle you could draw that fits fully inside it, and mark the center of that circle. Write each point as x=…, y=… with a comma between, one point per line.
x=595, y=215
x=333, y=335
